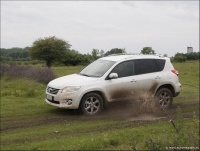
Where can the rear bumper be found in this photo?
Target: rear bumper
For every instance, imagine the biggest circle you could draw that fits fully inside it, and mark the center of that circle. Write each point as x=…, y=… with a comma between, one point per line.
x=178, y=90
x=176, y=94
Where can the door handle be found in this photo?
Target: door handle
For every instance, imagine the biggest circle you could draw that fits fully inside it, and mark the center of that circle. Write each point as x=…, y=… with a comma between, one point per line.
x=157, y=77
x=133, y=80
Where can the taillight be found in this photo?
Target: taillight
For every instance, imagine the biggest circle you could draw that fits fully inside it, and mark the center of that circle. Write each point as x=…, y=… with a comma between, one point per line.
x=175, y=72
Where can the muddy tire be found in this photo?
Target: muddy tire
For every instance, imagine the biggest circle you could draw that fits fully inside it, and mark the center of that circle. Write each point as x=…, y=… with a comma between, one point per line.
x=164, y=97
x=91, y=104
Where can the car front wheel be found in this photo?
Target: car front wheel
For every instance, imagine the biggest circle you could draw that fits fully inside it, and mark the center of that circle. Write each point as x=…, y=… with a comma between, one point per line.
x=91, y=104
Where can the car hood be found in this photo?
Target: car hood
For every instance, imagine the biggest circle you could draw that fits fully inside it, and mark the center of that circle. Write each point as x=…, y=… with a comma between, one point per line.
x=71, y=80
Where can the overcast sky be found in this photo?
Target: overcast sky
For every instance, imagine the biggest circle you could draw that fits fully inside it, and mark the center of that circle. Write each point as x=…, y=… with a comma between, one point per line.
x=166, y=26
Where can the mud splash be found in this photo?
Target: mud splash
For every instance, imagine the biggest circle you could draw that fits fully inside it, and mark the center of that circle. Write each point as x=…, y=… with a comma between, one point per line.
x=137, y=105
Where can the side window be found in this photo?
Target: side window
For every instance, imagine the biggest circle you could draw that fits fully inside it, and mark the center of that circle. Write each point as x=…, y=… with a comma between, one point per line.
x=146, y=66
x=124, y=69
x=160, y=63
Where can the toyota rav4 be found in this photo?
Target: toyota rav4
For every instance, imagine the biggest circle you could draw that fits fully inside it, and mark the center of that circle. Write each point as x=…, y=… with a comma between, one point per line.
x=105, y=79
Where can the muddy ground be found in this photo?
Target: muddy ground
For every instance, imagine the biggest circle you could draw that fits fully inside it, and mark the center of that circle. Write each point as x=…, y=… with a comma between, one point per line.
x=129, y=111
x=142, y=109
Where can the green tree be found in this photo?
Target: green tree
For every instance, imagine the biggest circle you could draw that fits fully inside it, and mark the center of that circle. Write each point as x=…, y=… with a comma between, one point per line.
x=147, y=50
x=95, y=54
x=165, y=55
x=115, y=51
x=49, y=49
x=101, y=53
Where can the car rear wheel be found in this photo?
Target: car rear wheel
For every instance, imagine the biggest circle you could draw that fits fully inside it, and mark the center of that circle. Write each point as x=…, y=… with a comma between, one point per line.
x=91, y=104
x=164, y=97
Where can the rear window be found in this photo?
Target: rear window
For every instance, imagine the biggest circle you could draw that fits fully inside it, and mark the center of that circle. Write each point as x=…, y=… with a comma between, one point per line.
x=160, y=64
x=144, y=66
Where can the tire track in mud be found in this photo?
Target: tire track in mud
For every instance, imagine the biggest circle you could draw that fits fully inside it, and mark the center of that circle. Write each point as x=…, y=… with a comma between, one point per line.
x=116, y=111
x=35, y=121
x=131, y=111
x=122, y=113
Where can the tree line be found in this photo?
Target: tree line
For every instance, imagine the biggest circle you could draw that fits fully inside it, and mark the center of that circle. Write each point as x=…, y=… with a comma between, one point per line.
x=53, y=49
x=182, y=57
x=19, y=54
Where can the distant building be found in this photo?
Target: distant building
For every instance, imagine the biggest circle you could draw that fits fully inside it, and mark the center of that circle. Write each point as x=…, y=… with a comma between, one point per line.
x=189, y=49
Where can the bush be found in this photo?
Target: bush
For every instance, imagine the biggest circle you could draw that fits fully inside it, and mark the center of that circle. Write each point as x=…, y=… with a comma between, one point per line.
x=43, y=75
x=180, y=57
x=192, y=56
x=74, y=58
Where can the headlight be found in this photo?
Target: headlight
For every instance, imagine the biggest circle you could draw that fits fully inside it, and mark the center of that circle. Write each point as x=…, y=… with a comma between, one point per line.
x=70, y=89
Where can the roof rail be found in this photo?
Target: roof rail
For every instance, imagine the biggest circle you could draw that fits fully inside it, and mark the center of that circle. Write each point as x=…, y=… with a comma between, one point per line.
x=159, y=55
x=117, y=54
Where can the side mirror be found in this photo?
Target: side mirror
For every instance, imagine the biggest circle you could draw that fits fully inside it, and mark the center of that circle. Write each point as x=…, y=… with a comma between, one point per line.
x=113, y=76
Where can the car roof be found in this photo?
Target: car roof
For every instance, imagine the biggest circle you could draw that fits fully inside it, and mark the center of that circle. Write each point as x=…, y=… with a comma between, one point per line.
x=128, y=57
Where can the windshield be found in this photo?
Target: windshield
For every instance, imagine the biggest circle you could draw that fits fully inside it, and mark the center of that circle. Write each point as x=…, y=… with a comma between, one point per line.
x=97, y=69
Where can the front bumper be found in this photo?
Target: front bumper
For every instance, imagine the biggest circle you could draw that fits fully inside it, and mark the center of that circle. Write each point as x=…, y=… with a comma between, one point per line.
x=63, y=100
x=61, y=104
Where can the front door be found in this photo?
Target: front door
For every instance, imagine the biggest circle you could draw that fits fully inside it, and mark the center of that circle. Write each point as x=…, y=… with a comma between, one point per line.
x=123, y=87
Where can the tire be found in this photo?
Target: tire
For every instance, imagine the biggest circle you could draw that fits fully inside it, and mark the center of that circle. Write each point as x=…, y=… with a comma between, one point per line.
x=164, y=97
x=91, y=104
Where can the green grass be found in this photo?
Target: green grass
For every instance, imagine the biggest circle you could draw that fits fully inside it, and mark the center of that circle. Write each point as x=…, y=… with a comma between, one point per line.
x=189, y=78
x=62, y=71
x=28, y=123
x=189, y=72
x=101, y=135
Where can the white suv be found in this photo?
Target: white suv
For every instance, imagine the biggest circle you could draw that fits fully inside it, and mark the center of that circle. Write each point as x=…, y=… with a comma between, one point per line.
x=115, y=78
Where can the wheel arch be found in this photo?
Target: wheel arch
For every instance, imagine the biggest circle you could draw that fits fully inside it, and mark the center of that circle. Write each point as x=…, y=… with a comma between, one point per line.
x=99, y=93
x=168, y=86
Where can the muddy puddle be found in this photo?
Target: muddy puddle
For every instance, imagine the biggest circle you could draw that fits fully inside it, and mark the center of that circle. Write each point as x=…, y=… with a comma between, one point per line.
x=145, y=117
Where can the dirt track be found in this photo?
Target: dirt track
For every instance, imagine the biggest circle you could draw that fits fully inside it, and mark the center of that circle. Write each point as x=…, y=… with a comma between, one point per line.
x=115, y=111
x=127, y=111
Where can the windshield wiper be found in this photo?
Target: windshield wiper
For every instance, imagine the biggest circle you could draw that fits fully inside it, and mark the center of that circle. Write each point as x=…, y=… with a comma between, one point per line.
x=84, y=75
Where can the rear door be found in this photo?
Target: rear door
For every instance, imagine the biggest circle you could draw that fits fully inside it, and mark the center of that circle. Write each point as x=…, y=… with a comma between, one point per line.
x=149, y=77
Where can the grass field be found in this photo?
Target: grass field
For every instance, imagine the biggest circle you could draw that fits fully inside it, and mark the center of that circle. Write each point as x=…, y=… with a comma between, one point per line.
x=28, y=123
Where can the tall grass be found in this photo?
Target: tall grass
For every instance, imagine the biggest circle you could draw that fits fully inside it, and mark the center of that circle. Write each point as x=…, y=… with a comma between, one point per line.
x=41, y=74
